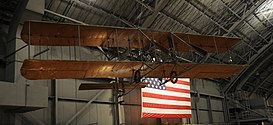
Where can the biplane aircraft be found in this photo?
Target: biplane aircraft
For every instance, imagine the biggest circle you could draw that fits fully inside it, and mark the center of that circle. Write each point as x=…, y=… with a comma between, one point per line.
x=140, y=53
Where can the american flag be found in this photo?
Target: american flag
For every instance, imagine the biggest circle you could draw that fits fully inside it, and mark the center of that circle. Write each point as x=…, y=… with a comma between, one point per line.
x=166, y=101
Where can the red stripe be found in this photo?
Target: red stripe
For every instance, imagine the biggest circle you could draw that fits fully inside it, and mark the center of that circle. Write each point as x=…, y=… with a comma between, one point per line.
x=178, y=90
x=155, y=115
x=164, y=106
x=183, y=82
x=166, y=97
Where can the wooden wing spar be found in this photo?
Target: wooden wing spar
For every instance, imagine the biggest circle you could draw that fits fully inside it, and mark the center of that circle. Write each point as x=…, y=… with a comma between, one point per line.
x=92, y=86
x=66, y=69
x=53, y=34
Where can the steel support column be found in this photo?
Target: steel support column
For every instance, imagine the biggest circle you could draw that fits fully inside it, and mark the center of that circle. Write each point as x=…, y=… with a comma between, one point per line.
x=197, y=110
x=225, y=109
x=54, y=109
x=209, y=109
x=116, y=105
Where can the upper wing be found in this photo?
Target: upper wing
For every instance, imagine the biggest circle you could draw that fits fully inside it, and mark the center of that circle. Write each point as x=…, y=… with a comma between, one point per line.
x=61, y=34
x=65, y=69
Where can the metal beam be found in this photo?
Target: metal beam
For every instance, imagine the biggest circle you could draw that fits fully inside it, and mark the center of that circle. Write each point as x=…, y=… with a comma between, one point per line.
x=83, y=108
x=270, y=94
x=267, y=19
x=165, y=15
x=253, y=70
x=249, y=12
x=251, y=27
x=112, y=15
x=245, y=107
x=206, y=15
x=29, y=118
x=92, y=6
x=215, y=22
x=65, y=17
x=219, y=25
x=160, y=6
x=259, y=58
x=260, y=84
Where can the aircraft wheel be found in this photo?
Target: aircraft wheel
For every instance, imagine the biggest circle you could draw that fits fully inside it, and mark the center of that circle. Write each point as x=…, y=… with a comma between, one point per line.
x=137, y=76
x=173, y=77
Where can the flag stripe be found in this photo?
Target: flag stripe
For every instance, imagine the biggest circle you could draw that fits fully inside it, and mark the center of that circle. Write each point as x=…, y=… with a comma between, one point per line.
x=155, y=115
x=177, y=86
x=152, y=95
x=165, y=111
x=184, y=79
x=165, y=106
x=181, y=82
x=163, y=101
x=177, y=90
x=165, y=92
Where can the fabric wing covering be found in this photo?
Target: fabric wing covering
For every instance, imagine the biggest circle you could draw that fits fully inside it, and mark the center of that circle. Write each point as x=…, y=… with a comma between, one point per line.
x=166, y=101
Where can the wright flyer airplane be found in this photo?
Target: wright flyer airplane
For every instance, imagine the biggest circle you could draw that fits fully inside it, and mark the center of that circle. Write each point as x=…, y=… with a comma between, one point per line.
x=140, y=53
